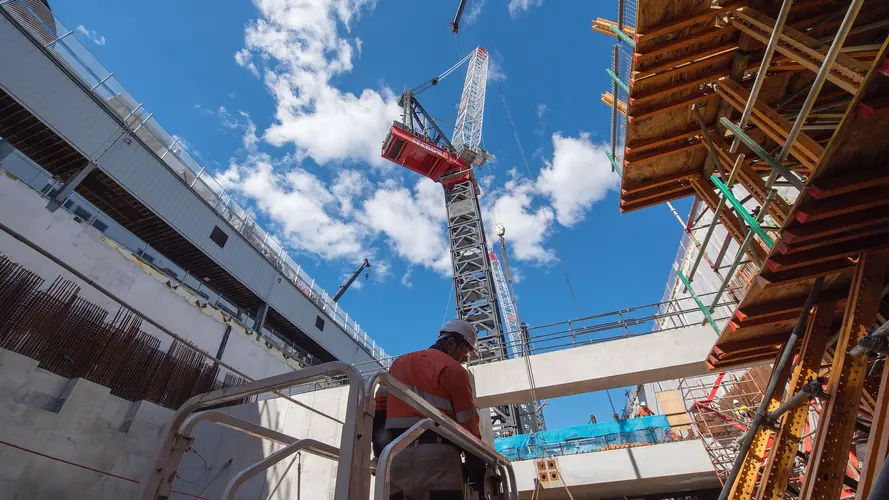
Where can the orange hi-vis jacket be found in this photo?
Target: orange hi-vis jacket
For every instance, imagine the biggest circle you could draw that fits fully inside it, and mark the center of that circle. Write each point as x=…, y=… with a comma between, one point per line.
x=437, y=378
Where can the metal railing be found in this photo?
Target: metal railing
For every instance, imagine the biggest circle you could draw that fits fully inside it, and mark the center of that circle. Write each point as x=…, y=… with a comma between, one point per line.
x=354, y=466
x=65, y=48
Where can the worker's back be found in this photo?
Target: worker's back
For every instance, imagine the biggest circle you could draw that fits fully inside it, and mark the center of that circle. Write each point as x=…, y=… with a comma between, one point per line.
x=434, y=376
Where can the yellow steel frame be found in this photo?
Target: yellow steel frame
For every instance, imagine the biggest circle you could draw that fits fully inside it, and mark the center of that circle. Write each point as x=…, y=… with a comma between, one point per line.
x=779, y=465
x=826, y=469
x=746, y=481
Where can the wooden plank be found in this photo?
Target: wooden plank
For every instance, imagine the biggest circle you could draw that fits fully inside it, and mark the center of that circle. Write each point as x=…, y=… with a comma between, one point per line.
x=674, y=26
x=714, y=75
x=813, y=63
x=685, y=102
x=660, y=154
x=846, y=249
x=842, y=205
x=786, y=249
x=655, y=143
x=782, y=278
x=673, y=408
x=849, y=66
x=681, y=43
x=684, y=63
x=827, y=466
x=683, y=72
x=855, y=181
x=652, y=183
x=629, y=206
x=658, y=193
x=768, y=115
x=798, y=233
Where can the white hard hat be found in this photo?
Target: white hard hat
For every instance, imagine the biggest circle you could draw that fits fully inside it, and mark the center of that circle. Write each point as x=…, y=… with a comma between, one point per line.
x=643, y=403
x=462, y=328
x=736, y=402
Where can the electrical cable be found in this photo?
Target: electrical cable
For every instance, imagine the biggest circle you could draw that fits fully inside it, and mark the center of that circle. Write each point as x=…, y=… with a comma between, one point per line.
x=206, y=468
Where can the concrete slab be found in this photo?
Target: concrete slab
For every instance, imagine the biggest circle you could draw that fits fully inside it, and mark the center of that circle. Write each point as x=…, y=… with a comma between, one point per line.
x=666, y=355
x=644, y=470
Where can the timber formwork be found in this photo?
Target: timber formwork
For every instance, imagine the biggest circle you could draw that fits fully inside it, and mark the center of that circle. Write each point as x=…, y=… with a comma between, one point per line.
x=703, y=119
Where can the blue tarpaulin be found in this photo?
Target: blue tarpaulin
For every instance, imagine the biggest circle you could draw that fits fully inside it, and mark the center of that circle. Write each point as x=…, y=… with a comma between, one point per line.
x=584, y=438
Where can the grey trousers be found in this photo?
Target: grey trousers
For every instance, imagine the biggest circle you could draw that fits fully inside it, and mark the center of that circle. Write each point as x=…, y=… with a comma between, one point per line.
x=427, y=471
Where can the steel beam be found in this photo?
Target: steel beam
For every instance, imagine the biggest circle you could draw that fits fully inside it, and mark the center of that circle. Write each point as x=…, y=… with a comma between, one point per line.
x=259, y=322
x=826, y=469
x=779, y=465
x=746, y=479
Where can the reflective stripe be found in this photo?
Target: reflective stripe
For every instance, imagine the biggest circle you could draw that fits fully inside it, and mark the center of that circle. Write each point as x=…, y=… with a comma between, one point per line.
x=439, y=402
x=464, y=416
x=402, y=422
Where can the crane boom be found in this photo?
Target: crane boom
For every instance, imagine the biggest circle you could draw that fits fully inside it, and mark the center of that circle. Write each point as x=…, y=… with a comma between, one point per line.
x=471, y=111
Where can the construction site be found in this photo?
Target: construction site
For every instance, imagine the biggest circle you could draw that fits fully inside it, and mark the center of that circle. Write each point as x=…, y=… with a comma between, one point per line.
x=157, y=342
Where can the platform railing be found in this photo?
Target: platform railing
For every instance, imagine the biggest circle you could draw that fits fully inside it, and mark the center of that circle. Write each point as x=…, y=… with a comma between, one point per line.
x=63, y=46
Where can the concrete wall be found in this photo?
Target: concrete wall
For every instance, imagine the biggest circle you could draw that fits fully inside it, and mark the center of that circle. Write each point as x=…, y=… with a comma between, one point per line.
x=657, y=356
x=118, y=270
x=74, y=420
x=642, y=470
x=80, y=422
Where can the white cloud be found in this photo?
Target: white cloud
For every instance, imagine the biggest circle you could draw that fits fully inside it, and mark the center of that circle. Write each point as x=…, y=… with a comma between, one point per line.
x=412, y=223
x=577, y=177
x=358, y=45
x=541, y=110
x=475, y=8
x=495, y=70
x=516, y=6
x=297, y=48
x=527, y=224
x=91, y=35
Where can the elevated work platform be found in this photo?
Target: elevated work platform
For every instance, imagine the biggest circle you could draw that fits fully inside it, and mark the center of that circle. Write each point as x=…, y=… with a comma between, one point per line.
x=665, y=355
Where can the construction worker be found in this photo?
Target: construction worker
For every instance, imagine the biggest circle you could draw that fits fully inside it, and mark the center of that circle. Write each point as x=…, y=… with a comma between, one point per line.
x=743, y=411
x=644, y=410
x=430, y=467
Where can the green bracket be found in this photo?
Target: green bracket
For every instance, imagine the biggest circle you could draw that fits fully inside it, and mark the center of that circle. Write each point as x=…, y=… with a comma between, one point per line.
x=614, y=164
x=617, y=81
x=623, y=36
x=749, y=219
x=762, y=153
x=697, y=300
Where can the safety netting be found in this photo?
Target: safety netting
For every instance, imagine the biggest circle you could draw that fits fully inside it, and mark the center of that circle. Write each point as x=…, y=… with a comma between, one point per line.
x=585, y=438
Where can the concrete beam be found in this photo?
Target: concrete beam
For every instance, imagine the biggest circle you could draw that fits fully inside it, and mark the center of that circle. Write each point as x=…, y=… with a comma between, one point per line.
x=642, y=470
x=648, y=358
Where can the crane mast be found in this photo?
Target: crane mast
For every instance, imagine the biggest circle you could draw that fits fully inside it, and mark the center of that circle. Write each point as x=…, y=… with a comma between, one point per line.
x=417, y=143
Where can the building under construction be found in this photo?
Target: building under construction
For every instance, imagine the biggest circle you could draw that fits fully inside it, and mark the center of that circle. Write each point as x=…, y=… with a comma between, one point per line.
x=156, y=342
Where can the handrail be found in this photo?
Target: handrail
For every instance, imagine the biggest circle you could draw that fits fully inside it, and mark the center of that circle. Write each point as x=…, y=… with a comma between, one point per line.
x=158, y=481
x=234, y=423
x=441, y=424
x=309, y=445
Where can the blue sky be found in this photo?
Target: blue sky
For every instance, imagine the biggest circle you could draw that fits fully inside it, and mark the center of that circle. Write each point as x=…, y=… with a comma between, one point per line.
x=288, y=102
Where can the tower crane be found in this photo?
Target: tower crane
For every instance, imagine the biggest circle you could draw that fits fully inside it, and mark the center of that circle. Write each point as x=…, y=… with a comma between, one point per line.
x=417, y=143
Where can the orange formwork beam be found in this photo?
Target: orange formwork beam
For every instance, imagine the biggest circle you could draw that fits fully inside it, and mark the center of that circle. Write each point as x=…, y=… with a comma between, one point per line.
x=827, y=466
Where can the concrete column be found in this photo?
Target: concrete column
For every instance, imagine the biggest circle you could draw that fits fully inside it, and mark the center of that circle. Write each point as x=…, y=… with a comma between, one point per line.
x=221, y=351
x=70, y=185
x=260, y=319
x=6, y=149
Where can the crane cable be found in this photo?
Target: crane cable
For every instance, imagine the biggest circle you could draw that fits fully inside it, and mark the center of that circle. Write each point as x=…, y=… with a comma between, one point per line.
x=558, y=256
x=546, y=212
